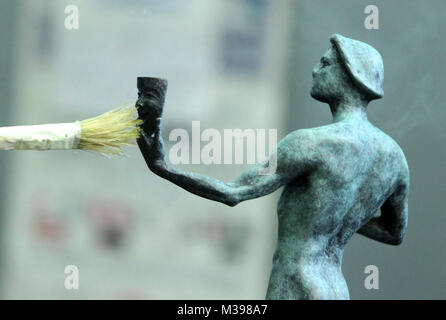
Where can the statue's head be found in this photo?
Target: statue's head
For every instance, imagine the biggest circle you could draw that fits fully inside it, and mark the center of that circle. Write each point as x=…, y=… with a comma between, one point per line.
x=152, y=88
x=350, y=68
x=151, y=95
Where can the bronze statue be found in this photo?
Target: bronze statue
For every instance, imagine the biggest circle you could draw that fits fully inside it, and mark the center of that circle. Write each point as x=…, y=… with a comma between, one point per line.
x=335, y=177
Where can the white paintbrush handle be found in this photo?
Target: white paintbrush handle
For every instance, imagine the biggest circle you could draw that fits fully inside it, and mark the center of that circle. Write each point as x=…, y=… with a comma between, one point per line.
x=41, y=137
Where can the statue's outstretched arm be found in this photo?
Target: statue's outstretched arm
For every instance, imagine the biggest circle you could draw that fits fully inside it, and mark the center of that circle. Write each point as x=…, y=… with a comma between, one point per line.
x=390, y=226
x=257, y=181
x=286, y=163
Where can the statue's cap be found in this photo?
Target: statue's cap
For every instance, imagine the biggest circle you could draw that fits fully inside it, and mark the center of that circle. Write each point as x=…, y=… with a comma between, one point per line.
x=154, y=86
x=363, y=63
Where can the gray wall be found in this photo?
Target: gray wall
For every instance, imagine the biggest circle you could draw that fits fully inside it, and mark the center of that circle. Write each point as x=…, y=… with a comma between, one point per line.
x=411, y=41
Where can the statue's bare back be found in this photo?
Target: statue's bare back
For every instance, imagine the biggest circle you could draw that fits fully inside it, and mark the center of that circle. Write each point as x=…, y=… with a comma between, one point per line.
x=360, y=168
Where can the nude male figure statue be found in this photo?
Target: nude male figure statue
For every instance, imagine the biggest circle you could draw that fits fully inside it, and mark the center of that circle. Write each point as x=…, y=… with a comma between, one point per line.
x=335, y=177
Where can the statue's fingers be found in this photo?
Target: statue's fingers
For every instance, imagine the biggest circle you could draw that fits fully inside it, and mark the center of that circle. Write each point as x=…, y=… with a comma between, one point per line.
x=146, y=137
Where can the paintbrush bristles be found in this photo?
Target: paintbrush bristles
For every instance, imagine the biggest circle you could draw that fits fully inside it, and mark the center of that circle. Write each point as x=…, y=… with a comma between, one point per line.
x=110, y=131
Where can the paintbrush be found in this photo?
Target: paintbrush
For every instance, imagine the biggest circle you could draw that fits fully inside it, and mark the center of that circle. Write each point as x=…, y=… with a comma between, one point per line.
x=106, y=134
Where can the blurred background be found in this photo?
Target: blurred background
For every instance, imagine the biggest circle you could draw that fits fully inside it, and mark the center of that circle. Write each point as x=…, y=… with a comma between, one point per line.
x=230, y=64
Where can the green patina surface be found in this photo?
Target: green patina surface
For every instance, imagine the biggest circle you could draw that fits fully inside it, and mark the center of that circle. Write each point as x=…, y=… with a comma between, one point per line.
x=335, y=177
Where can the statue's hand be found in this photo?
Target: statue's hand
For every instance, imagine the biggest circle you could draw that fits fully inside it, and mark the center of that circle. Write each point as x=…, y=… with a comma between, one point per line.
x=152, y=149
x=150, y=111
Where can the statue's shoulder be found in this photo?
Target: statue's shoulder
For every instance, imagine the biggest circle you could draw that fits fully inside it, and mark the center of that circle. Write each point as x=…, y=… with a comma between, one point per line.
x=391, y=148
x=301, y=137
x=303, y=143
x=314, y=137
x=308, y=134
x=388, y=142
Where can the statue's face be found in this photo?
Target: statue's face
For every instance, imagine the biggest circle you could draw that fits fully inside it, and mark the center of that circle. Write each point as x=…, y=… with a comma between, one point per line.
x=329, y=78
x=150, y=106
